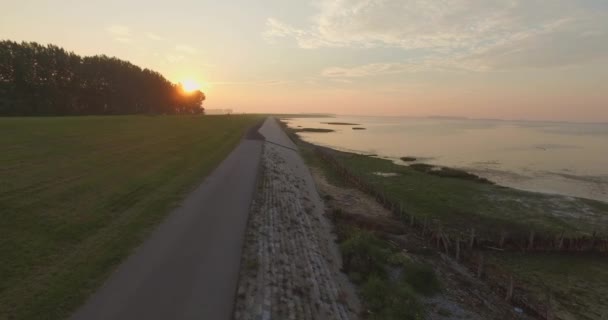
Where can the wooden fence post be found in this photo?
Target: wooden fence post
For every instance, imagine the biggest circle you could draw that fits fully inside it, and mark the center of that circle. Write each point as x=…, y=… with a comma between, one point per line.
x=446, y=243
x=424, y=226
x=531, y=241
x=501, y=243
x=472, y=239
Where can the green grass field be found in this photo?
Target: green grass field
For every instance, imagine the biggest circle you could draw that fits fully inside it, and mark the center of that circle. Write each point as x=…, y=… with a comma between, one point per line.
x=77, y=194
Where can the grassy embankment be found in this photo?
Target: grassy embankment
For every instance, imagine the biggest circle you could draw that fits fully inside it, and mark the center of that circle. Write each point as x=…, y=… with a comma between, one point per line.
x=78, y=193
x=578, y=284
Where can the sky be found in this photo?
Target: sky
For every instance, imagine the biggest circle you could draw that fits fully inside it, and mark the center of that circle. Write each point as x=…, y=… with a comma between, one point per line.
x=508, y=59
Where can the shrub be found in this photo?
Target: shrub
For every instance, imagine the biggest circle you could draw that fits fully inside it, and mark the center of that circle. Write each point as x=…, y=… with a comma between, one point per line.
x=389, y=301
x=363, y=252
x=421, y=278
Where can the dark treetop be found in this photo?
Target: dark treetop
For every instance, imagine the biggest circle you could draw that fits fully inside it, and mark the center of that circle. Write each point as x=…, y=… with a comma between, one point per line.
x=48, y=80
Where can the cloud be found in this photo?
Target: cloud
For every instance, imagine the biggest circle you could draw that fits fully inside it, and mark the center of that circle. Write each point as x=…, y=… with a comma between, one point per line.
x=120, y=33
x=123, y=39
x=249, y=83
x=566, y=44
x=153, y=36
x=412, y=66
x=306, y=39
x=474, y=34
x=119, y=30
x=175, y=58
x=367, y=70
x=186, y=49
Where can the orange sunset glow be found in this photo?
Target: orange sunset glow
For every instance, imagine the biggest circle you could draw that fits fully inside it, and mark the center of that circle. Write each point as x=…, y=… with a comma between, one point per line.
x=190, y=85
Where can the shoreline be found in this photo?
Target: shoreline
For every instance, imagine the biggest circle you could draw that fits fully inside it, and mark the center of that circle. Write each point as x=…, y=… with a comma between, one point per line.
x=568, y=210
x=532, y=282
x=479, y=172
x=542, y=162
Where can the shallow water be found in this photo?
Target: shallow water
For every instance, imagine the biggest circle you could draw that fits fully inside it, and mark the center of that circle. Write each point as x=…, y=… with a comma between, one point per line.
x=562, y=158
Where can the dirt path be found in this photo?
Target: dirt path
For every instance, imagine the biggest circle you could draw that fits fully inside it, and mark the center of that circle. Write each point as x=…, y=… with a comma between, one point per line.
x=188, y=268
x=290, y=267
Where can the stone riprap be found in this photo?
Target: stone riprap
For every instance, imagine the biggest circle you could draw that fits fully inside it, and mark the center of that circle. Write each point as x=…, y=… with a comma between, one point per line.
x=290, y=265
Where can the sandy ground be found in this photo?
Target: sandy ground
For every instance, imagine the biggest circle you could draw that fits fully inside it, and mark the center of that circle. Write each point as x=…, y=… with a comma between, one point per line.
x=290, y=265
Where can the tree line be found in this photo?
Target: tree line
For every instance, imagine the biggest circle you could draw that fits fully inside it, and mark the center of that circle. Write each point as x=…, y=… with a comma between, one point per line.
x=48, y=80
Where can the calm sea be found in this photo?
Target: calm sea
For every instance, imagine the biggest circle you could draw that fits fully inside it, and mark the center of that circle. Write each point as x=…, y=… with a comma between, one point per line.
x=562, y=158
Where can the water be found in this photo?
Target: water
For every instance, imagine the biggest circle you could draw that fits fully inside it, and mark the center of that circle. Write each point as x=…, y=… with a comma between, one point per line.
x=562, y=158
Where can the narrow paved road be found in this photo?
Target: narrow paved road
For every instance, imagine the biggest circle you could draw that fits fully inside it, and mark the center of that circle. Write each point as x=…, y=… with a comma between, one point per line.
x=188, y=268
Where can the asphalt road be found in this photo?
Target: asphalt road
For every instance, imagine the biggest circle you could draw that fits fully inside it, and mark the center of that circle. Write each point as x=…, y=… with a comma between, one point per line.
x=188, y=268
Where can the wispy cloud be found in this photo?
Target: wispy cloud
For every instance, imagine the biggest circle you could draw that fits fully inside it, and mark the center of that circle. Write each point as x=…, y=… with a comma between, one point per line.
x=473, y=34
x=249, y=83
x=186, y=49
x=119, y=30
x=120, y=33
x=172, y=58
x=123, y=39
x=154, y=36
x=412, y=66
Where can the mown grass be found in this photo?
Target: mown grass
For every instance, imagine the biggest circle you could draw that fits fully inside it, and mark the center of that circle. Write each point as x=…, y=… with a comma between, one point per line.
x=77, y=194
x=575, y=286
x=460, y=202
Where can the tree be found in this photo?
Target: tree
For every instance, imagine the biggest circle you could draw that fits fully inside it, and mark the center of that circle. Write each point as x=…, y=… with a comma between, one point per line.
x=48, y=80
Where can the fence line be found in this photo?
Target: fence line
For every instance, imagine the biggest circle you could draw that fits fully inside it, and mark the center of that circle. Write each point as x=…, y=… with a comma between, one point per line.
x=503, y=241
x=469, y=249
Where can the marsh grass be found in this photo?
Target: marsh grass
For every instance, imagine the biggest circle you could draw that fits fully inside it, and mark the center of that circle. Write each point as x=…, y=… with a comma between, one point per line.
x=460, y=202
x=575, y=286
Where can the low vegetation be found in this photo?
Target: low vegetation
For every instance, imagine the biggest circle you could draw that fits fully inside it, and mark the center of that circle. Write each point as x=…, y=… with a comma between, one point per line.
x=390, y=282
x=78, y=193
x=341, y=123
x=317, y=130
x=447, y=172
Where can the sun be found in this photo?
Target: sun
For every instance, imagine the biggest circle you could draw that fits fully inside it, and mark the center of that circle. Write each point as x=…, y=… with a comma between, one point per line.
x=190, y=85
